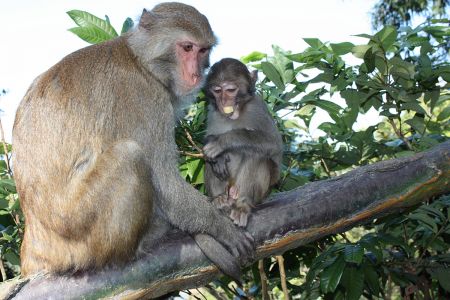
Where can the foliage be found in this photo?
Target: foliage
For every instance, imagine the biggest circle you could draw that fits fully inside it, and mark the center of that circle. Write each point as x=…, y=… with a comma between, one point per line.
x=93, y=29
x=408, y=93
x=11, y=219
x=401, y=12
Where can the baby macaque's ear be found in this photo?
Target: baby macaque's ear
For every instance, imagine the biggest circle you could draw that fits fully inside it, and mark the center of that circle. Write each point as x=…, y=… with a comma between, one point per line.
x=254, y=76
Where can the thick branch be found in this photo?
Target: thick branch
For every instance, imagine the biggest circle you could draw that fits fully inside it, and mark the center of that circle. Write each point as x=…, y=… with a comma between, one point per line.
x=288, y=220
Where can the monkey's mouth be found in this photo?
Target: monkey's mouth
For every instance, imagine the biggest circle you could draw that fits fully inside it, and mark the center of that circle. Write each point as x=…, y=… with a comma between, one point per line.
x=231, y=112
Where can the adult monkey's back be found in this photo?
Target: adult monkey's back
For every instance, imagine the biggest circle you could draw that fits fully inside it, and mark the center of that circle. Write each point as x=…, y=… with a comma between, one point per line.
x=95, y=158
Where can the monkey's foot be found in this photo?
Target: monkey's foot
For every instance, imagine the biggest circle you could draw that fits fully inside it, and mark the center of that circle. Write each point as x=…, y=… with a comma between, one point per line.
x=239, y=214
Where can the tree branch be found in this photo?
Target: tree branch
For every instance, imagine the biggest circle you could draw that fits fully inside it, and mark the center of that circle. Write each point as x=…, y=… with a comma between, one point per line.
x=287, y=221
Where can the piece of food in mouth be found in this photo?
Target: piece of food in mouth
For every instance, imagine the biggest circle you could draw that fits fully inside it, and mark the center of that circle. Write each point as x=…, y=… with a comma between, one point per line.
x=228, y=109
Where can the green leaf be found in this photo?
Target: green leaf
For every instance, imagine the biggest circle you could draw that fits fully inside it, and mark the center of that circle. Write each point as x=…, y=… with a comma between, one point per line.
x=330, y=277
x=401, y=68
x=364, y=35
x=425, y=220
x=369, y=60
x=342, y=48
x=271, y=72
x=8, y=185
x=387, y=36
x=350, y=116
x=12, y=258
x=127, y=25
x=91, y=28
x=313, y=42
x=414, y=106
x=92, y=35
x=443, y=276
x=330, y=107
x=371, y=278
x=438, y=31
x=417, y=124
x=354, y=283
x=353, y=254
x=360, y=50
x=252, y=57
x=85, y=19
x=432, y=97
x=444, y=115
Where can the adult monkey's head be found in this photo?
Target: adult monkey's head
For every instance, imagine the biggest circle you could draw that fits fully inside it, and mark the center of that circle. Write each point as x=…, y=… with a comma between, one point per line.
x=173, y=41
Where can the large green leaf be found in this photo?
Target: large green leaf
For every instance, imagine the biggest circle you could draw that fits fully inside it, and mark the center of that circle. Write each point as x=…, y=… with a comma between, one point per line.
x=342, y=48
x=371, y=278
x=414, y=106
x=387, y=36
x=271, y=72
x=313, y=42
x=330, y=277
x=354, y=282
x=92, y=35
x=354, y=253
x=91, y=28
x=360, y=50
x=418, y=124
x=330, y=107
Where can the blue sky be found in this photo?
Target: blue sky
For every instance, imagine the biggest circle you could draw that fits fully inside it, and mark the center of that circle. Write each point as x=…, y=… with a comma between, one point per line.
x=34, y=33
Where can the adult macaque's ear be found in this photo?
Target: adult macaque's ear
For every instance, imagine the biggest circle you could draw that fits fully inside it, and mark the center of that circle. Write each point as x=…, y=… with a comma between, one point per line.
x=147, y=18
x=254, y=76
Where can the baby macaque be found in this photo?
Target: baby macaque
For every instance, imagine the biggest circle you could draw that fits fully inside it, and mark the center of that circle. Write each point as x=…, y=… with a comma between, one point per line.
x=243, y=148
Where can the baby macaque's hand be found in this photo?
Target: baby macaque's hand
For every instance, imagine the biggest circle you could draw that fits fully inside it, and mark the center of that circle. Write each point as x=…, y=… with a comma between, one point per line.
x=223, y=201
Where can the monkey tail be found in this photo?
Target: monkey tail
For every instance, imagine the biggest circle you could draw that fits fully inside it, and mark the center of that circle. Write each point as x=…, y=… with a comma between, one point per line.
x=220, y=256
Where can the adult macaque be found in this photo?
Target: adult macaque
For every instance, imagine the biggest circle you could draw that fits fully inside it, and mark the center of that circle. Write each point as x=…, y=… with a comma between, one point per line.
x=95, y=158
x=243, y=147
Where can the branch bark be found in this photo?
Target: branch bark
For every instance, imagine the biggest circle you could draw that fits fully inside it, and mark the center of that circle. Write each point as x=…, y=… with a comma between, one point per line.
x=287, y=221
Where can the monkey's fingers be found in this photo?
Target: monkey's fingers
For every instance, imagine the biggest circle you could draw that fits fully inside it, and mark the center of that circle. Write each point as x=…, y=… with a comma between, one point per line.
x=246, y=248
x=212, y=150
x=215, y=252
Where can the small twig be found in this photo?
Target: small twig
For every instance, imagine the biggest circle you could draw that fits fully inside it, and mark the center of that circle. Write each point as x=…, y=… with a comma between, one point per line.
x=400, y=134
x=197, y=155
x=325, y=166
x=344, y=236
x=191, y=141
x=191, y=294
x=280, y=261
x=200, y=292
x=2, y=270
x=263, y=276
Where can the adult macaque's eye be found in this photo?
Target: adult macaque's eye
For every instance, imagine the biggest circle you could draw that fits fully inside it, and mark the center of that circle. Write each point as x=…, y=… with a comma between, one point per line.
x=204, y=50
x=188, y=47
x=231, y=90
x=216, y=90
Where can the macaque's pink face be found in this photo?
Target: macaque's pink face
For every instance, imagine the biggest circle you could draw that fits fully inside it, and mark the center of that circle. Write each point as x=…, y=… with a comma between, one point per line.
x=193, y=58
x=225, y=95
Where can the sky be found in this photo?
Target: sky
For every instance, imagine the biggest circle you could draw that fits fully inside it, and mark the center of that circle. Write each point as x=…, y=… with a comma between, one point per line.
x=34, y=33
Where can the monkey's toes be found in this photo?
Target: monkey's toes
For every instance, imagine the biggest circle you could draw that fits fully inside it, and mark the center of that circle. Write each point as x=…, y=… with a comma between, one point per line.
x=239, y=217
